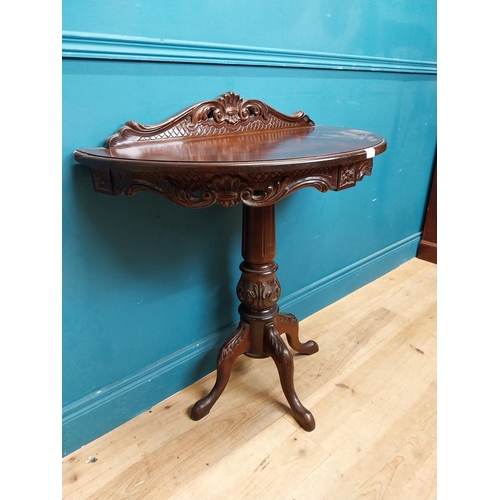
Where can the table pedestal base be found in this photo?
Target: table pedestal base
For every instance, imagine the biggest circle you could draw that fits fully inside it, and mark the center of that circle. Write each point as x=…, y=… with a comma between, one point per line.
x=259, y=332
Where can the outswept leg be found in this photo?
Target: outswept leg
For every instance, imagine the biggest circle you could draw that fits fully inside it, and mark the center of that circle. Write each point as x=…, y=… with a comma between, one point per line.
x=287, y=323
x=261, y=325
x=276, y=348
x=235, y=346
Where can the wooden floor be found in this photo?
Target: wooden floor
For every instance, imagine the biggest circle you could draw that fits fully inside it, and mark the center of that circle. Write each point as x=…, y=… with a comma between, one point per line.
x=371, y=388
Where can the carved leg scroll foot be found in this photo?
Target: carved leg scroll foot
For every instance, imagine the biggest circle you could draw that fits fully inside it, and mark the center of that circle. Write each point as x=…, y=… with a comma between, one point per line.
x=235, y=346
x=289, y=324
x=276, y=348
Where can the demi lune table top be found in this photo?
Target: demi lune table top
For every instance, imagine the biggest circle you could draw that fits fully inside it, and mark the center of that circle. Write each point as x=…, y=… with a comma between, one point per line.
x=228, y=151
x=245, y=152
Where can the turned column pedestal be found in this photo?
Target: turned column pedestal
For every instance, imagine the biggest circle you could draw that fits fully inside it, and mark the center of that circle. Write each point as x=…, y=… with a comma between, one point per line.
x=261, y=324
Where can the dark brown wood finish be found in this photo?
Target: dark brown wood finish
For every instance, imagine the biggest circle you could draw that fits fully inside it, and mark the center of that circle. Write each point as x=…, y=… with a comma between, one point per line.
x=258, y=334
x=229, y=151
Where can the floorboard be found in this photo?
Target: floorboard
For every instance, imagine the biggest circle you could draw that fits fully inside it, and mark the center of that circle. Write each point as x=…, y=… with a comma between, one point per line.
x=371, y=388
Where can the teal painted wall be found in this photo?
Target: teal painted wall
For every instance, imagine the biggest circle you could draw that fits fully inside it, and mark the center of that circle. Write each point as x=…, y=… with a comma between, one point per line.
x=141, y=275
x=389, y=28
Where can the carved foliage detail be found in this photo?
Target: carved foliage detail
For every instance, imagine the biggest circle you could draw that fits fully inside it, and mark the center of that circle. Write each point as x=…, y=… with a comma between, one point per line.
x=227, y=113
x=230, y=346
x=350, y=174
x=347, y=176
x=277, y=345
x=258, y=294
x=287, y=318
x=253, y=189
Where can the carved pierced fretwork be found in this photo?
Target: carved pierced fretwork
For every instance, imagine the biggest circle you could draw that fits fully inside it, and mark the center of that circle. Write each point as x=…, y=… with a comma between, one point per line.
x=252, y=189
x=228, y=113
x=227, y=189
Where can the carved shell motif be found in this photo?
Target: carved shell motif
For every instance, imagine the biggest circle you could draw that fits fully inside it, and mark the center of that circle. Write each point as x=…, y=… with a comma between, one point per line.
x=227, y=113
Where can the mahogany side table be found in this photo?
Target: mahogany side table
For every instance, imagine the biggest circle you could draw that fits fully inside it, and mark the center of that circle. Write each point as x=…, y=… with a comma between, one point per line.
x=229, y=151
